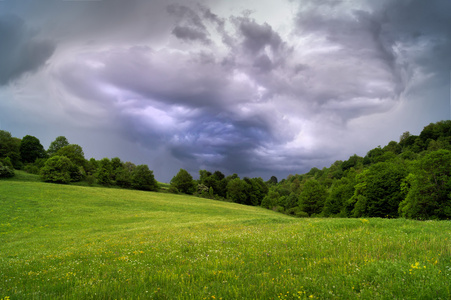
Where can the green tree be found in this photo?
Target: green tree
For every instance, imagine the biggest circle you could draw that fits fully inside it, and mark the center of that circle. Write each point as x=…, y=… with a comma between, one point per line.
x=237, y=191
x=312, y=197
x=57, y=169
x=428, y=188
x=143, y=179
x=10, y=147
x=273, y=180
x=341, y=191
x=57, y=144
x=104, y=172
x=378, y=191
x=124, y=175
x=183, y=182
x=74, y=152
x=257, y=190
x=31, y=149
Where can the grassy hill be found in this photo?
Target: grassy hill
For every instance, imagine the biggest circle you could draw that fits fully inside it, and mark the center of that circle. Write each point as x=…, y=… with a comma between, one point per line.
x=73, y=242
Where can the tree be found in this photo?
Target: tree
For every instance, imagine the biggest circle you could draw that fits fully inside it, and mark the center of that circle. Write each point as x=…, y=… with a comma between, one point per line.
x=57, y=169
x=428, y=188
x=378, y=190
x=183, y=182
x=75, y=153
x=312, y=197
x=124, y=175
x=31, y=149
x=237, y=191
x=57, y=144
x=340, y=192
x=143, y=179
x=257, y=190
x=10, y=148
x=273, y=180
x=104, y=172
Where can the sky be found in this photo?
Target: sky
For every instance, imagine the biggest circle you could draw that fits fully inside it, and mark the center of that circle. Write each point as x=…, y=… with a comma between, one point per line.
x=252, y=87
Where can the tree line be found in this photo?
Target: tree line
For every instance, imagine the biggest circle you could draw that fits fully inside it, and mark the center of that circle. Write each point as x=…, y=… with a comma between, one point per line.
x=410, y=178
x=64, y=163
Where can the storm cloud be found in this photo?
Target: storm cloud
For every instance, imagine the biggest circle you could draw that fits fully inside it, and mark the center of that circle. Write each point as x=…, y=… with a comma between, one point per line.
x=20, y=51
x=261, y=90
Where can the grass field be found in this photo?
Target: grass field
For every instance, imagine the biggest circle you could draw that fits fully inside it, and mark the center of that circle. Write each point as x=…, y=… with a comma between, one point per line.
x=72, y=242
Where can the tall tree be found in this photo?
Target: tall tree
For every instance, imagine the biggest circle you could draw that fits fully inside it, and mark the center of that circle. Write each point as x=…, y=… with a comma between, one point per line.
x=57, y=144
x=75, y=153
x=104, y=172
x=428, y=188
x=312, y=197
x=143, y=179
x=10, y=148
x=31, y=149
x=183, y=182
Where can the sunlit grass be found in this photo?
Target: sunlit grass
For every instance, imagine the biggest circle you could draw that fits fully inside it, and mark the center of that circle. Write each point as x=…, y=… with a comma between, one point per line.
x=94, y=243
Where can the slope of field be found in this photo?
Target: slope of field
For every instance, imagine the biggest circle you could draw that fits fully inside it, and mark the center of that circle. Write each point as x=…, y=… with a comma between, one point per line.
x=72, y=242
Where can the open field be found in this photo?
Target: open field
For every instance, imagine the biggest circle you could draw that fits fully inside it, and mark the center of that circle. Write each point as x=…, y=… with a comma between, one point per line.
x=73, y=242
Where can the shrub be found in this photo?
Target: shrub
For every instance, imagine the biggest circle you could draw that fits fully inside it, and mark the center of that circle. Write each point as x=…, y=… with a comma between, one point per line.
x=57, y=169
x=5, y=171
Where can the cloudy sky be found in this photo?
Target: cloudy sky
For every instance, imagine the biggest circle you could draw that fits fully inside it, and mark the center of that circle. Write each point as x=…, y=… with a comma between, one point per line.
x=253, y=87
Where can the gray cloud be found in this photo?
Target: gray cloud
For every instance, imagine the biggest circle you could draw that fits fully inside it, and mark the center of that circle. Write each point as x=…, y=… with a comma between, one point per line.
x=257, y=36
x=20, y=51
x=187, y=33
x=203, y=86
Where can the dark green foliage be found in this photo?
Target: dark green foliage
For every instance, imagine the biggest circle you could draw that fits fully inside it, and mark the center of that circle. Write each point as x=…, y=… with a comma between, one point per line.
x=10, y=148
x=6, y=171
x=143, y=179
x=378, y=190
x=91, y=166
x=74, y=153
x=237, y=191
x=57, y=144
x=216, y=181
x=249, y=191
x=124, y=175
x=256, y=191
x=374, y=156
x=104, y=173
x=393, y=147
x=183, y=182
x=428, y=188
x=57, y=169
x=341, y=191
x=272, y=180
x=31, y=149
x=34, y=168
x=271, y=200
x=312, y=197
x=352, y=162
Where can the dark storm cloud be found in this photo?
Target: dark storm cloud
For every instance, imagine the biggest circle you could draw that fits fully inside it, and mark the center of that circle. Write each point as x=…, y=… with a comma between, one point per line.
x=231, y=91
x=20, y=50
x=424, y=29
x=187, y=33
x=189, y=26
x=257, y=36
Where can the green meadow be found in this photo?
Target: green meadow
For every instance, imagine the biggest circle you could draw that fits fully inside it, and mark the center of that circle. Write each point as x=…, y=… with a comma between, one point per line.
x=75, y=242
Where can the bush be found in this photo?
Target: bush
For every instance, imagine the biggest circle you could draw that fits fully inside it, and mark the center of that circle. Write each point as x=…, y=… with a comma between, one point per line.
x=57, y=169
x=5, y=171
x=302, y=214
